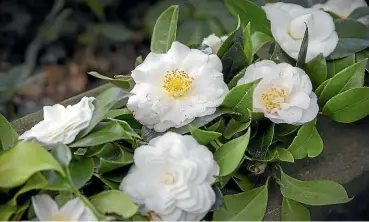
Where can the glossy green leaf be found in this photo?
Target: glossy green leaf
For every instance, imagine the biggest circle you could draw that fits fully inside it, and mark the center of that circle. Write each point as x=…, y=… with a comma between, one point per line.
x=55, y=182
x=294, y=211
x=280, y=56
x=230, y=154
x=203, y=136
x=307, y=142
x=37, y=181
x=228, y=42
x=348, y=46
x=234, y=127
x=218, y=126
x=320, y=89
x=94, y=150
x=259, y=39
x=284, y=129
x=239, y=99
x=335, y=66
x=165, y=30
x=243, y=182
x=347, y=28
x=113, y=157
x=6, y=211
x=111, y=184
x=62, y=154
x=259, y=146
x=284, y=155
x=303, y=49
x=351, y=77
x=33, y=158
x=316, y=192
x=235, y=79
x=317, y=70
x=117, y=112
x=81, y=171
x=364, y=54
x=249, y=13
x=348, y=106
x=114, y=201
x=103, y=103
x=8, y=136
x=247, y=46
x=124, y=83
x=359, y=12
x=246, y=206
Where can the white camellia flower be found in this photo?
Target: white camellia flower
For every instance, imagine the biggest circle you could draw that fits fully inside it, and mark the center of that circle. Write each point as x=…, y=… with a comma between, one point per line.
x=46, y=209
x=284, y=94
x=173, y=88
x=171, y=178
x=61, y=124
x=342, y=8
x=288, y=25
x=214, y=42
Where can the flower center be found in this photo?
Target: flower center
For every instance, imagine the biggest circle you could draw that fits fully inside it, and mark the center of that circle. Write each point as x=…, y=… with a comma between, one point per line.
x=298, y=25
x=168, y=178
x=273, y=98
x=177, y=82
x=153, y=216
x=60, y=217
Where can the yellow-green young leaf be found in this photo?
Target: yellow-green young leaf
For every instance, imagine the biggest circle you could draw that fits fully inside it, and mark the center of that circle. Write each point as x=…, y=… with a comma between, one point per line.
x=230, y=154
x=240, y=98
x=125, y=82
x=113, y=157
x=37, y=181
x=259, y=39
x=8, y=136
x=317, y=70
x=307, y=142
x=294, y=211
x=114, y=201
x=335, y=66
x=348, y=106
x=202, y=136
x=247, y=206
x=218, y=126
x=247, y=46
x=6, y=211
x=350, y=77
x=316, y=192
x=117, y=112
x=165, y=30
x=33, y=158
x=234, y=127
x=81, y=171
x=284, y=155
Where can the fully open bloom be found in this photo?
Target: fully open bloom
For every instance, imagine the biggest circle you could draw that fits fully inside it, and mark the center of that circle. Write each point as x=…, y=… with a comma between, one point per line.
x=214, y=42
x=284, y=94
x=342, y=8
x=173, y=88
x=171, y=178
x=46, y=209
x=288, y=25
x=61, y=124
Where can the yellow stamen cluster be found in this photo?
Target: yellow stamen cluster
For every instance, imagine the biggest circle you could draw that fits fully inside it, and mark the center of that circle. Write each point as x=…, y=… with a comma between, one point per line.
x=168, y=178
x=60, y=217
x=273, y=98
x=153, y=216
x=177, y=82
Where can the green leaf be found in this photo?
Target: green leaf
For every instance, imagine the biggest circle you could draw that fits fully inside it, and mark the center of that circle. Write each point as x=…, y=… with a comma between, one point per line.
x=230, y=154
x=114, y=201
x=33, y=158
x=8, y=136
x=117, y=32
x=218, y=126
x=348, y=106
x=62, y=154
x=249, y=13
x=294, y=211
x=234, y=127
x=235, y=79
x=203, y=136
x=111, y=184
x=258, y=40
x=284, y=155
x=351, y=77
x=113, y=157
x=348, y=46
x=124, y=83
x=247, y=46
x=165, y=30
x=230, y=40
x=320, y=89
x=239, y=99
x=359, y=13
x=96, y=6
x=259, y=146
x=284, y=129
x=316, y=192
x=307, y=142
x=303, y=49
x=317, y=70
x=37, y=181
x=117, y=112
x=364, y=54
x=6, y=212
x=103, y=103
x=337, y=65
x=81, y=171
x=139, y=61
x=55, y=182
x=246, y=206
x=347, y=28
x=243, y=182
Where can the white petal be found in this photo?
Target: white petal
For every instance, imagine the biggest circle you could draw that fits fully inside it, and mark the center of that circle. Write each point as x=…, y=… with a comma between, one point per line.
x=176, y=53
x=291, y=115
x=311, y=112
x=87, y=215
x=44, y=206
x=214, y=42
x=300, y=99
x=342, y=8
x=73, y=208
x=54, y=113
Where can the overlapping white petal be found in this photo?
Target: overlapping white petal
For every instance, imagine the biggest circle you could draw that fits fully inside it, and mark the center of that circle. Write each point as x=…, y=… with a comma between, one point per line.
x=288, y=24
x=46, y=209
x=342, y=8
x=62, y=124
x=173, y=88
x=214, y=42
x=284, y=94
x=171, y=178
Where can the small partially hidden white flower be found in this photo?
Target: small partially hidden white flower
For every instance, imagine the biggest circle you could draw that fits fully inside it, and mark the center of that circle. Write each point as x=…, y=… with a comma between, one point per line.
x=46, y=209
x=171, y=178
x=173, y=88
x=214, y=42
x=284, y=94
x=288, y=25
x=61, y=124
x=342, y=8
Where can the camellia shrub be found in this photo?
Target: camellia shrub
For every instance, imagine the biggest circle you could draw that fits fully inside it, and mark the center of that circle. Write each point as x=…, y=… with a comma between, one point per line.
x=205, y=129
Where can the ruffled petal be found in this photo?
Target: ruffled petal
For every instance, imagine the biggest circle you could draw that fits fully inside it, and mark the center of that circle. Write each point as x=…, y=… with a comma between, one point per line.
x=44, y=206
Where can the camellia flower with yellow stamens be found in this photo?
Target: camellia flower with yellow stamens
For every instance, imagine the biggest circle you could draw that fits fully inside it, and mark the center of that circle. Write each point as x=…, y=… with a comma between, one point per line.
x=171, y=178
x=342, y=8
x=284, y=94
x=174, y=88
